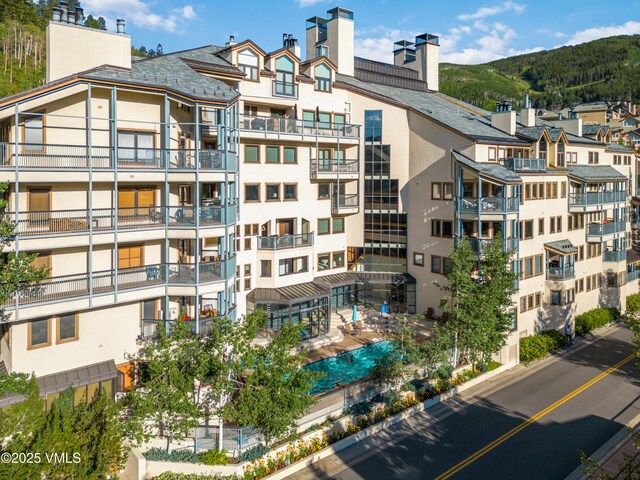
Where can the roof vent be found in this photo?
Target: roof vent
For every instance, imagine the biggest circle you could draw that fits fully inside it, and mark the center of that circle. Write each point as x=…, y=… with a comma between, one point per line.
x=231, y=42
x=288, y=41
x=120, y=26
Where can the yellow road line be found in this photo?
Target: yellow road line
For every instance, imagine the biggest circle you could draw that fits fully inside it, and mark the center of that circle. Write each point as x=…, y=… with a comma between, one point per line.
x=487, y=448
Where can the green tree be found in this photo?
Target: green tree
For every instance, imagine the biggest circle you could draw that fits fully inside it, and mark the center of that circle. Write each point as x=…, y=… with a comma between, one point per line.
x=400, y=364
x=19, y=420
x=97, y=23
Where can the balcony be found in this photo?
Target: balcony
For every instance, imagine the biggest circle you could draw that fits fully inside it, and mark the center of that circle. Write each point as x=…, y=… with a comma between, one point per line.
x=560, y=274
x=150, y=327
x=345, y=204
x=103, y=220
x=334, y=169
x=291, y=126
x=525, y=164
x=478, y=245
x=614, y=255
x=597, y=230
x=285, y=242
x=489, y=205
x=633, y=275
x=105, y=158
x=55, y=289
x=596, y=198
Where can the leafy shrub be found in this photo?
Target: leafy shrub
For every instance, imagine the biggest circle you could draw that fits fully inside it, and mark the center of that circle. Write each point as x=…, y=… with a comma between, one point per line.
x=595, y=318
x=539, y=346
x=193, y=476
x=443, y=372
x=633, y=303
x=213, y=457
x=160, y=454
x=360, y=408
x=253, y=453
x=388, y=398
x=559, y=340
x=409, y=387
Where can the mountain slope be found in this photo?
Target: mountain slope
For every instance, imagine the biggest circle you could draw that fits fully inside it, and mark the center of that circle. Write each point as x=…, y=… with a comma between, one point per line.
x=604, y=69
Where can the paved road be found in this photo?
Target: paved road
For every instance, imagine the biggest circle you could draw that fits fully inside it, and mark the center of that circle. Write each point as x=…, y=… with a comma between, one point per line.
x=527, y=424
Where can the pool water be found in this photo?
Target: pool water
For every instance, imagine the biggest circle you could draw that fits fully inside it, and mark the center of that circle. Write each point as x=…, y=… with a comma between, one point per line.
x=348, y=366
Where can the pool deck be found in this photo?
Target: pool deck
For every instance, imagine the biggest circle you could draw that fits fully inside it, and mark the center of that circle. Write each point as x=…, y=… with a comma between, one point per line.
x=348, y=343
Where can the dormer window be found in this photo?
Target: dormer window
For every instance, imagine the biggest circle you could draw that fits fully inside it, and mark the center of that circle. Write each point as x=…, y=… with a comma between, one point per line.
x=323, y=78
x=248, y=63
x=560, y=160
x=284, y=84
x=322, y=51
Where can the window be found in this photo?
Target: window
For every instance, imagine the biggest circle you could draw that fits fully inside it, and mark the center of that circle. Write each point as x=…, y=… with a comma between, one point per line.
x=559, y=224
x=556, y=296
x=529, y=302
x=493, y=154
x=436, y=264
x=251, y=154
x=447, y=229
x=338, y=259
x=563, y=189
x=265, y=268
x=149, y=309
x=130, y=256
x=552, y=225
x=447, y=191
x=284, y=77
x=136, y=146
x=248, y=63
x=67, y=328
x=338, y=118
x=418, y=259
x=324, y=191
x=290, y=155
x=436, y=230
x=526, y=229
x=39, y=333
x=247, y=243
x=290, y=191
x=247, y=284
x=290, y=266
x=33, y=133
x=251, y=192
x=323, y=226
x=436, y=191
x=541, y=226
x=323, y=261
x=594, y=158
x=322, y=51
x=250, y=229
x=323, y=78
x=338, y=225
x=273, y=155
x=272, y=192
x=247, y=269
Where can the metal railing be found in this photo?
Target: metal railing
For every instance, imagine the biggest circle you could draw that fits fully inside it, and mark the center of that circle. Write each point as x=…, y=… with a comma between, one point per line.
x=339, y=202
x=599, y=229
x=560, y=273
x=489, y=205
x=284, y=89
x=326, y=166
x=525, y=164
x=56, y=157
x=478, y=245
x=596, y=198
x=282, y=242
x=614, y=255
x=293, y=126
x=633, y=275
x=234, y=439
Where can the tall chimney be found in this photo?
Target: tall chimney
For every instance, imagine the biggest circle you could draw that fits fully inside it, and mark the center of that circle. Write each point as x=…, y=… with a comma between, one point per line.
x=79, y=16
x=403, y=53
x=337, y=34
x=427, y=60
x=64, y=11
x=528, y=114
x=504, y=118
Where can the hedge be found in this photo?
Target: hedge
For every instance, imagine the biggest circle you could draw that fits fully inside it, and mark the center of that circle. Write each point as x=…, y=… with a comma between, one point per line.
x=539, y=346
x=175, y=456
x=633, y=303
x=595, y=318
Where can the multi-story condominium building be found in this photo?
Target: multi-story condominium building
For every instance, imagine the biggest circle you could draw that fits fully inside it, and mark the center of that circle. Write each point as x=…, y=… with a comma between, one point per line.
x=215, y=181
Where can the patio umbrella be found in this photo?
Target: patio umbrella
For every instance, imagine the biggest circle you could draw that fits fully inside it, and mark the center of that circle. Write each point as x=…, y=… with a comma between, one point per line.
x=354, y=317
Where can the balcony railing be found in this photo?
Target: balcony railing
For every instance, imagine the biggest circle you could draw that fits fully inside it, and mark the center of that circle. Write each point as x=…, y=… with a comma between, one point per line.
x=79, y=157
x=345, y=202
x=150, y=327
x=55, y=289
x=282, y=242
x=560, y=273
x=614, y=255
x=489, y=205
x=284, y=89
x=292, y=126
x=600, y=229
x=525, y=164
x=596, y=198
x=633, y=275
x=478, y=245
x=68, y=222
x=333, y=166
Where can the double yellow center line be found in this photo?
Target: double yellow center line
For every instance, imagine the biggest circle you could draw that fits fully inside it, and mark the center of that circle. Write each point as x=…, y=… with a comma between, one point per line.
x=534, y=418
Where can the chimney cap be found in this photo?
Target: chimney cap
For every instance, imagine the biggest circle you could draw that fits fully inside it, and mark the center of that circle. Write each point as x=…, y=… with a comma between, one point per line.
x=427, y=38
x=402, y=44
x=120, y=25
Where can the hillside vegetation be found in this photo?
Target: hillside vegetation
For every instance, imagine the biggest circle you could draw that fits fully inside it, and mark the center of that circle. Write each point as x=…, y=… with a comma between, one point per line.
x=605, y=69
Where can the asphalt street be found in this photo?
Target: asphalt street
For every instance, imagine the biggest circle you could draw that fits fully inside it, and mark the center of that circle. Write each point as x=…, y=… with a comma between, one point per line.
x=530, y=423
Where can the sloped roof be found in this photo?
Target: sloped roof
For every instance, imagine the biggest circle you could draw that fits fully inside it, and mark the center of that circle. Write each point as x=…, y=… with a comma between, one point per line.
x=564, y=247
x=616, y=147
x=489, y=169
x=595, y=172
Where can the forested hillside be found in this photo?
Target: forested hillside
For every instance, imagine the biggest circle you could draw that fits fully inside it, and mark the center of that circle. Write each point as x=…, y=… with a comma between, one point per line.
x=605, y=69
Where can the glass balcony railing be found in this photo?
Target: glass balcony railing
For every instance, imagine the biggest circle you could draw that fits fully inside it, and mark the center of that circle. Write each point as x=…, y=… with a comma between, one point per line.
x=282, y=242
x=150, y=327
x=609, y=228
x=489, y=205
x=342, y=203
x=525, y=164
x=614, y=255
x=80, y=157
x=560, y=273
x=293, y=126
x=596, y=198
x=633, y=275
x=326, y=167
x=478, y=245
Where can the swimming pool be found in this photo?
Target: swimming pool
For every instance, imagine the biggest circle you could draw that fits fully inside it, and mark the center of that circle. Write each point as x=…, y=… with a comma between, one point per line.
x=348, y=366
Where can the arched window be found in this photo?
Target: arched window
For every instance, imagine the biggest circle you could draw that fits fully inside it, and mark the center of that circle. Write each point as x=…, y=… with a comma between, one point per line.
x=284, y=77
x=248, y=63
x=323, y=78
x=560, y=154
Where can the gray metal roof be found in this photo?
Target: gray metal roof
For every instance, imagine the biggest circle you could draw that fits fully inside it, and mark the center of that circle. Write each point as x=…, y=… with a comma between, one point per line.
x=291, y=294
x=591, y=129
x=338, y=279
x=530, y=133
x=562, y=246
x=591, y=173
x=172, y=72
x=582, y=140
x=59, y=382
x=616, y=147
x=467, y=119
x=492, y=170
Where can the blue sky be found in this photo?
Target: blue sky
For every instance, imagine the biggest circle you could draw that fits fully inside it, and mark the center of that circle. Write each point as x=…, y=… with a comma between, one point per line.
x=470, y=32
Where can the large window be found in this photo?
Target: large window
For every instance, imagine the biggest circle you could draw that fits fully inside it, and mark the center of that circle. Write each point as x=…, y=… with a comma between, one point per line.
x=136, y=146
x=323, y=78
x=373, y=125
x=284, y=77
x=377, y=159
x=33, y=136
x=252, y=154
x=338, y=259
x=290, y=266
x=251, y=192
x=248, y=63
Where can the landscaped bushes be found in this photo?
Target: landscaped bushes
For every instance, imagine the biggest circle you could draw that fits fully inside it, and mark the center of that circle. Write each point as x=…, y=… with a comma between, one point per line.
x=193, y=476
x=175, y=456
x=539, y=346
x=595, y=318
x=633, y=303
x=213, y=457
x=253, y=453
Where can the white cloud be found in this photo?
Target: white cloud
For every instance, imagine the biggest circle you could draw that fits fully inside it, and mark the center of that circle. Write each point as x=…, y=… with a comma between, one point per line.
x=490, y=47
x=308, y=3
x=140, y=14
x=628, y=28
x=380, y=48
x=485, y=12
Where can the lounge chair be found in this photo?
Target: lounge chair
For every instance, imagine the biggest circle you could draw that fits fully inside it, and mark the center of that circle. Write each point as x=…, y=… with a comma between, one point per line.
x=348, y=328
x=360, y=325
